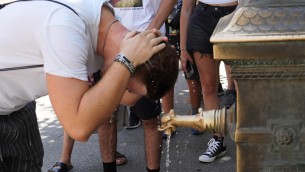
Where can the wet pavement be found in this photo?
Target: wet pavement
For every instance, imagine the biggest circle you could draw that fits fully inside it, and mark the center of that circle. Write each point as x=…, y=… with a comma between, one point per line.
x=184, y=148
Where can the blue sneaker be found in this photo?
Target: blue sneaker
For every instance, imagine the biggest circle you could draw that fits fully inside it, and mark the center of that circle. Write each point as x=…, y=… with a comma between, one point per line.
x=196, y=132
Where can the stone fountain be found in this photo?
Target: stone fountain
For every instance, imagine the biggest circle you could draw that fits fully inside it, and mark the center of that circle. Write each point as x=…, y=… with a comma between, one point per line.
x=264, y=42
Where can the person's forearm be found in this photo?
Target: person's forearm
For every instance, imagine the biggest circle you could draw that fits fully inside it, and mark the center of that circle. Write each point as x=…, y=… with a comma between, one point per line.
x=162, y=14
x=101, y=100
x=80, y=109
x=186, y=11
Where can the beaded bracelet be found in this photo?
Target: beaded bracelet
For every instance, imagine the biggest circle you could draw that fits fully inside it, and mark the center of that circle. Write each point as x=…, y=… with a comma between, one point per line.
x=126, y=62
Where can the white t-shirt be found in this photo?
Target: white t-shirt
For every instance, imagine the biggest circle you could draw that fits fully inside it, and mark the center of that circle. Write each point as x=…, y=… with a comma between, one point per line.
x=43, y=32
x=137, y=15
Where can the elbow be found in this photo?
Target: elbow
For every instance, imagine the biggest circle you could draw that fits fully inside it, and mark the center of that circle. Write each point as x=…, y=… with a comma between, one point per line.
x=81, y=138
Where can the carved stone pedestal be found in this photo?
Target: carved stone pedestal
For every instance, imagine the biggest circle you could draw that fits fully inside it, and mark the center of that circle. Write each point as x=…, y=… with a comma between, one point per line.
x=264, y=42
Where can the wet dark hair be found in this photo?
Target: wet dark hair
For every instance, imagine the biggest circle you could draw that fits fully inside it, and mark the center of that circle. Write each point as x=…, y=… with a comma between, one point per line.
x=160, y=73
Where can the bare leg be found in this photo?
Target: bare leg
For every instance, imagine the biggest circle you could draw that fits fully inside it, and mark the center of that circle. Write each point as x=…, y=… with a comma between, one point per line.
x=168, y=101
x=231, y=85
x=207, y=68
x=67, y=149
x=209, y=78
x=167, y=105
x=195, y=100
x=108, y=141
x=195, y=93
x=153, y=143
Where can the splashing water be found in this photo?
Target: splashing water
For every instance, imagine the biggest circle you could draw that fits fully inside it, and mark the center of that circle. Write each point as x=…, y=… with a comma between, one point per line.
x=167, y=162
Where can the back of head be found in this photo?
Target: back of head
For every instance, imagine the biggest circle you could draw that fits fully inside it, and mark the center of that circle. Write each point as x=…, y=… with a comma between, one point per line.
x=160, y=73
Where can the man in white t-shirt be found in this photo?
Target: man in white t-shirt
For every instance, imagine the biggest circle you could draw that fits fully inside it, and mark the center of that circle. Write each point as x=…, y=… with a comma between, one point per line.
x=53, y=53
x=138, y=15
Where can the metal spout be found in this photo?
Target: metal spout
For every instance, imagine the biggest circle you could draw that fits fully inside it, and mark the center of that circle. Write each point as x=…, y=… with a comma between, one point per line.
x=213, y=121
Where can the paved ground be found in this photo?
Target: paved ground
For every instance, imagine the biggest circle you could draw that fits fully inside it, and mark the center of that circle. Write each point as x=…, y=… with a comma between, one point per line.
x=184, y=148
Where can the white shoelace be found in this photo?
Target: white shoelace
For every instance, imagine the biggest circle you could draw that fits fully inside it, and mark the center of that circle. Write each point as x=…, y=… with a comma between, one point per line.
x=213, y=146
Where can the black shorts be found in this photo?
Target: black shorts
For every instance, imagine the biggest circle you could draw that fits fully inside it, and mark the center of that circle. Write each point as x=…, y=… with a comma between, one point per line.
x=202, y=24
x=146, y=109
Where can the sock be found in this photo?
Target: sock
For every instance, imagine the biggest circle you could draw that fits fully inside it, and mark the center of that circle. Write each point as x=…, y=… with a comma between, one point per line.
x=156, y=170
x=109, y=166
x=218, y=138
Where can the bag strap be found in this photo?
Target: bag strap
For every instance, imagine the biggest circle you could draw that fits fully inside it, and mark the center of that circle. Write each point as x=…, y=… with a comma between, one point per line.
x=21, y=67
x=5, y=4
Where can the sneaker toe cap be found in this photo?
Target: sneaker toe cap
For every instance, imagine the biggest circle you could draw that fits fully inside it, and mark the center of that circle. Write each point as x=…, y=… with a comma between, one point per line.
x=205, y=158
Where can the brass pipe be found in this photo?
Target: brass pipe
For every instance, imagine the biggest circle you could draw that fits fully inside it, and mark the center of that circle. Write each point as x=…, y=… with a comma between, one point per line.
x=213, y=121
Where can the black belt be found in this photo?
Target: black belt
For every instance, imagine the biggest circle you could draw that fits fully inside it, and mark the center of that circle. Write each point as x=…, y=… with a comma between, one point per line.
x=20, y=67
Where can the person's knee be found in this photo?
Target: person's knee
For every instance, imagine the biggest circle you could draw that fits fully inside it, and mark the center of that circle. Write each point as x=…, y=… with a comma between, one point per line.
x=209, y=88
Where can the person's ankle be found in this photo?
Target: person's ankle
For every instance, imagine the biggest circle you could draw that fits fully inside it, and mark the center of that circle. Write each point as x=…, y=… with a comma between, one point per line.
x=67, y=162
x=155, y=170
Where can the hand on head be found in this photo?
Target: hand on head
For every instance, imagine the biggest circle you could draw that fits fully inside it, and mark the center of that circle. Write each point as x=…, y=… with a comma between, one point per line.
x=139, y=48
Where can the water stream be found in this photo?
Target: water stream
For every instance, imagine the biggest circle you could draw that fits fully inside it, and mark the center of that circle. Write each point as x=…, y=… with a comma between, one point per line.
x=167, y=162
